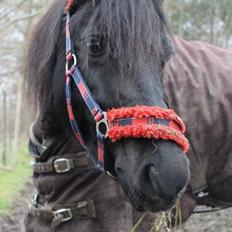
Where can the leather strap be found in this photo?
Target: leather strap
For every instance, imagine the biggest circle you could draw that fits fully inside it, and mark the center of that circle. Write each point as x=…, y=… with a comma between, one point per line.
x=64, y=164
x=80, y=210
x=198, y=179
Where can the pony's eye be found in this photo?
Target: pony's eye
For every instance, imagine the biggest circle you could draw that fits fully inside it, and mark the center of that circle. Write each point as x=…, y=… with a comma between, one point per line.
x=95, y=47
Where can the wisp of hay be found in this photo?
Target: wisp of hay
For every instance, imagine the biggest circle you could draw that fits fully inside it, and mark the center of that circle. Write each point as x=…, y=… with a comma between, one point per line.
x=162, y=221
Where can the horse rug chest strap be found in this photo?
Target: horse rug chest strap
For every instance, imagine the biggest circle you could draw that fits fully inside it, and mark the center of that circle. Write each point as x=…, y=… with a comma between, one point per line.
x=64, y=164
x=81, y=210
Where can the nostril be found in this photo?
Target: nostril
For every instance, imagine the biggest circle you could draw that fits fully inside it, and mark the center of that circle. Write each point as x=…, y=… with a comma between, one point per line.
x=153, y=171
x=150, y=181
x=153, y=175
x=164, y=182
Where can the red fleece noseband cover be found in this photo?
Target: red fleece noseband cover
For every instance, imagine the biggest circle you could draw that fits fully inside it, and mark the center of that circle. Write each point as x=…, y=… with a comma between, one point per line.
x=146, y=122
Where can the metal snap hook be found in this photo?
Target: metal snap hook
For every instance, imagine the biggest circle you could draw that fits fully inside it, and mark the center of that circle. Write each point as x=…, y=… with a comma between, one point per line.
x=112, y=176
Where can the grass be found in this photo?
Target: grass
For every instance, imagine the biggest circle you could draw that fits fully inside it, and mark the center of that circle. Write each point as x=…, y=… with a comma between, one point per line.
x=12, y=182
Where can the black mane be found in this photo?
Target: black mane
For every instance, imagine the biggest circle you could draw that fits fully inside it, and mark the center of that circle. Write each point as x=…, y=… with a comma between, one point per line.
x=131, y=28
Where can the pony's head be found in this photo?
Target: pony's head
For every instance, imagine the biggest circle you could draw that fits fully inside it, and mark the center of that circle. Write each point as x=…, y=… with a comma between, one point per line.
x=121, y=48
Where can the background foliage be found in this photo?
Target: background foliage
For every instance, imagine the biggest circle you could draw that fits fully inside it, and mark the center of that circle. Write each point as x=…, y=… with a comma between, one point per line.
x=208, y=20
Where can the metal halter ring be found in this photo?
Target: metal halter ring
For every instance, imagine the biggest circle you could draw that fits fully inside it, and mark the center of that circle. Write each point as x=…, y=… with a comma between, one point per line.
x=74, y=61
x=103, y=122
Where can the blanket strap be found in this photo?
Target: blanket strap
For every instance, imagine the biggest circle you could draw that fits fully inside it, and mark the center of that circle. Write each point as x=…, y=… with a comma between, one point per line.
x=81, y=211
x=198, y=180
x=64, y=164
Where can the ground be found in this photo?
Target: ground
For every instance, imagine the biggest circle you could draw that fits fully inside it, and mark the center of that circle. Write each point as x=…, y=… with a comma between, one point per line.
x=14, y=221
x=220, y=221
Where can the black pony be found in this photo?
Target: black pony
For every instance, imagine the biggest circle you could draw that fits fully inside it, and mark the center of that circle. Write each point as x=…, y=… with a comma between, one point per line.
x=122, y=47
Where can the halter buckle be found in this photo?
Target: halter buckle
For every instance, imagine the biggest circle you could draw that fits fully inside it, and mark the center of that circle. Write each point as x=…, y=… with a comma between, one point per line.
x=102, y=126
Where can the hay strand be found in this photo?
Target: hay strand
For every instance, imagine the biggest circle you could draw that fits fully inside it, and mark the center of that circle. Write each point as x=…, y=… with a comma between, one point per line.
x=138, y=224
x=163, y=221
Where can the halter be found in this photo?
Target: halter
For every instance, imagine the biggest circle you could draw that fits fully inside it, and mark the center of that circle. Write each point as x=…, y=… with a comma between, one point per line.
x=115, y=124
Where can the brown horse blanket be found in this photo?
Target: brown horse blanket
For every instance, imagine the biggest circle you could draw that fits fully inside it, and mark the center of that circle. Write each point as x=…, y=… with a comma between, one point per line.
x=198, y=83
x=113, y=211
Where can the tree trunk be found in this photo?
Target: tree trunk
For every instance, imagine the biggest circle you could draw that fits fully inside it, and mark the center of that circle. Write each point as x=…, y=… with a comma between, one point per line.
x=19, y=94
x=4, y=113
x=17, y=127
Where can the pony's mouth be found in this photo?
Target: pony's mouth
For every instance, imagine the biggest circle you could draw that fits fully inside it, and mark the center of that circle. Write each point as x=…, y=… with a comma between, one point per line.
x=142, y=202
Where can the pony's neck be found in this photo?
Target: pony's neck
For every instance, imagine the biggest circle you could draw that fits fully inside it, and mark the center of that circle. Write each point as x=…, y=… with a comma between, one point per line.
x=49, y=133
